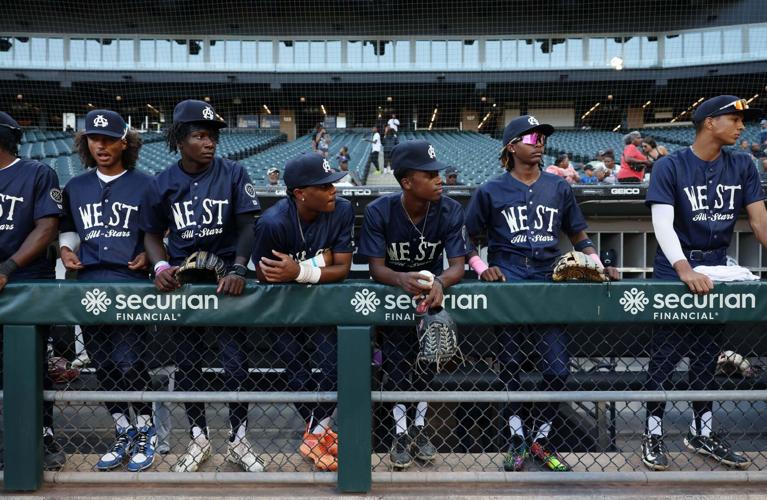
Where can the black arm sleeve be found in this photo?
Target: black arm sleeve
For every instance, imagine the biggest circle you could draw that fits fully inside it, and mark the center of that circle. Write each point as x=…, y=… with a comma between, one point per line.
x=245, y=234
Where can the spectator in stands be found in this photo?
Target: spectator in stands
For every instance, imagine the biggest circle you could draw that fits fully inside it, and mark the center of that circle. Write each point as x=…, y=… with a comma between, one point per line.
x=564, y=169
x=633, y=162
x=393, y=124
x=451, y=177
x=323, y=143
x=757, y=151
x=31, y=210
x=652, y=150
x=343, y=158
x=745, y=146
x=316, y=137
x=389, y=140
x=763, y=134
x=375, y=150
x=602, y=174
x=306, y=237
x=588, y=176
x=607, y=156
x=351, y=178
x=273, y=176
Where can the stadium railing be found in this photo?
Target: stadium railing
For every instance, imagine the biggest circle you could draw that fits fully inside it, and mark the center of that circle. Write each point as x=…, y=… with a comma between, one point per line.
x=609, y=325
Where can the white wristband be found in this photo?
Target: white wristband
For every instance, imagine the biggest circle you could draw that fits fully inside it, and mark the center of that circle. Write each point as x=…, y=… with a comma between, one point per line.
x=316, y=261
x=70, y=240
x=307, y=273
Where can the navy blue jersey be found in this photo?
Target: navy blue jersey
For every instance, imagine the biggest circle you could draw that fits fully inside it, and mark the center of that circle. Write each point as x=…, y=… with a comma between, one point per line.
x=106, y=216
x=199, y=210
x=278, y=229
x=707, y=196
x=388, y=232
x=523, y=221
x=29, y=190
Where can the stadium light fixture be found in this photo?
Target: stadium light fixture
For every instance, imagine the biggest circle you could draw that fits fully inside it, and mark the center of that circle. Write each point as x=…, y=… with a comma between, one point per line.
x=483, y=99
x=118, y=98
x=484, y=120
x=644, y=106
x=617, y=128
x=609, y=97
x=389, y=99
x=690, y=108
x=90, y=105
x=302, y=99
x=591, y=110
x=206, y=98
x=266, y=108
x=324, y=111
x=19, y=97
x=616, y=63
x=754, y=97
x=433, y=117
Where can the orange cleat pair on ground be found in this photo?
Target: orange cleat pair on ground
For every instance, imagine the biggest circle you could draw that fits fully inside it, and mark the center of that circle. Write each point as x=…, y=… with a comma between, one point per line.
x=322, y=449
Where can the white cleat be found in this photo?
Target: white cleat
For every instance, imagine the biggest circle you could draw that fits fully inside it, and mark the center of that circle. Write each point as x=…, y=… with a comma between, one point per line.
x=197, y=452
x=242, y=454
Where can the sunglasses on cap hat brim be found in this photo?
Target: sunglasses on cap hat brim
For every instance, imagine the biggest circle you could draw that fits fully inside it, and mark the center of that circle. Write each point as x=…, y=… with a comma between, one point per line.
x=737, y=106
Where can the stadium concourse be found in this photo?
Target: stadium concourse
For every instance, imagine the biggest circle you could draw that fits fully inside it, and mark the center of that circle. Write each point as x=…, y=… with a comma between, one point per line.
x=473, y=154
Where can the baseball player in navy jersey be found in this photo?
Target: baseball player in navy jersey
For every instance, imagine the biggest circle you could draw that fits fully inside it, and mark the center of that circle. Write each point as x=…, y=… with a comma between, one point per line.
x=523, y=212
x=205, y=203
x=402, y=235
x=307, y=238
x=101, y=240
x=695, y=195
x=30, y=207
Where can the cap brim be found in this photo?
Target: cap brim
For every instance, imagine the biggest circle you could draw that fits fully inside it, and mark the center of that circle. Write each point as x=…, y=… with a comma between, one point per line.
x=107, y=133
x=748, y=114
x=212, y=123
x=432, y=166
x=543, y=127
x=330, y=178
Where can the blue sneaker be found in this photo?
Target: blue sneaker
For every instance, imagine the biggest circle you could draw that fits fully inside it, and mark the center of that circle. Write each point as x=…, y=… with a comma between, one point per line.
x=143, y=449
x=116, y=455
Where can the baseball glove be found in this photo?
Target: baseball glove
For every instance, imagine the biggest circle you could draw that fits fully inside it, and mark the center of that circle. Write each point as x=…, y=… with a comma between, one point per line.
x=201, y=267
x=733, y=364
x=60, y=370
x=437, y=339
x=577, y=266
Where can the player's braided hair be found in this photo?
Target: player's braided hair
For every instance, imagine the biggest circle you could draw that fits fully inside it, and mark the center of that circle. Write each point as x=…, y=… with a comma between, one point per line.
x=507, y=159
x=129, y=156
x=177, y=132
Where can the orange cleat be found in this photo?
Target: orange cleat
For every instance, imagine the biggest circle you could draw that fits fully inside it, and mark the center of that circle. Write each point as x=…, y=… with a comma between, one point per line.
x=312, y=448
x=330, y=441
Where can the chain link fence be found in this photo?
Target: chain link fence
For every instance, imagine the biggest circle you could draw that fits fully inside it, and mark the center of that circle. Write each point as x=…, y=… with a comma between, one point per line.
x=281, y=364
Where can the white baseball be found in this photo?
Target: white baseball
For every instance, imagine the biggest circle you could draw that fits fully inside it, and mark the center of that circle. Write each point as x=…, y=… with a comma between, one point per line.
x=428, y=278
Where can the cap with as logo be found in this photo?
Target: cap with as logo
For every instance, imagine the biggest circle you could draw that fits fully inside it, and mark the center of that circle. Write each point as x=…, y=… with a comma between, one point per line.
x=310, y=169
x=415, y=155
x=105, y=122
x=193, y=111
x=520, y=125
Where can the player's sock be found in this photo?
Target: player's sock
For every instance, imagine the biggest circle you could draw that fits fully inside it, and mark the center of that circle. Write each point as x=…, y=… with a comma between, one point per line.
x=701, y=424
x=121, y=420
x=654, y=426
x=321, y=426
x=400, y=418
x=543, y=431
x=196, y=431
x=143, y=421
x=47, y=431
x=420, y=413
x=515, y=424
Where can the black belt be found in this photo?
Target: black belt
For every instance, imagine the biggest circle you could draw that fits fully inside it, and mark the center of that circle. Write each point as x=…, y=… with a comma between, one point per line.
x=704, y=254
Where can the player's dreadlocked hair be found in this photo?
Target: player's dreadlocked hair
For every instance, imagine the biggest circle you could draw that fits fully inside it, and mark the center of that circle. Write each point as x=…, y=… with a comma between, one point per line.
x=177, y=132
x=507, y=159
x=129, y=156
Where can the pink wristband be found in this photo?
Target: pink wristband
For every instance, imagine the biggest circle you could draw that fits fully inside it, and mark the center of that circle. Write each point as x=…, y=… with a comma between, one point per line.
x=595, y=258
x=161, y=268
x=478, y=265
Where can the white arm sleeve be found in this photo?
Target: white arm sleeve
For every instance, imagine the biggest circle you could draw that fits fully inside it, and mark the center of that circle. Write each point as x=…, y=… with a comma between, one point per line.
x=663, y=224
x=70, y=240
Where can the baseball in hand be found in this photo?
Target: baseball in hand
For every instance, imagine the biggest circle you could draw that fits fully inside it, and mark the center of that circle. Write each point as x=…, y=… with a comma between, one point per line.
x=428, y=278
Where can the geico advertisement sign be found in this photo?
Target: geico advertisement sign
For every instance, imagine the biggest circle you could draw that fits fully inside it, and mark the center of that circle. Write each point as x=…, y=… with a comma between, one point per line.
x=153, y=307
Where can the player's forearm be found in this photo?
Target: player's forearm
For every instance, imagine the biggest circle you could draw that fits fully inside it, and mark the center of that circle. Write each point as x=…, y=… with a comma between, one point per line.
x=334, y=273
x=44, y=233
x=154, y=248
x=582, y=243
x=383, y=274
x=454, y=273
x=245, y=238
x=668, y=241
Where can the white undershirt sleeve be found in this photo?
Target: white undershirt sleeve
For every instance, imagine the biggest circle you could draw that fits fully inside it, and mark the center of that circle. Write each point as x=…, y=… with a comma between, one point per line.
x=70, y=240
x=663, y=225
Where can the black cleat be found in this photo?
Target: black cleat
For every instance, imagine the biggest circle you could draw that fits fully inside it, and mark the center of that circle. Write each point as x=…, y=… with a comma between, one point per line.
x=717, y=448
x=654, y=452
x=422, y=447
x=399, y=455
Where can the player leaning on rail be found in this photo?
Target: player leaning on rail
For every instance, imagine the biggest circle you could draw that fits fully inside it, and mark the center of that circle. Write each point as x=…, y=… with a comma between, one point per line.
x=695, y=195
x=523, y=212
x=101, y=241
x=205, y=203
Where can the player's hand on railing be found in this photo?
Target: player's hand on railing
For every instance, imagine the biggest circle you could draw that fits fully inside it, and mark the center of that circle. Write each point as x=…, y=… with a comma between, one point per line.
x=231, y=284
x=70, y=260
x=280, y=270
x=492, y=274
x=140, y=263
x=696, y=282
x=165, y=280
x=435, y=296
x=612, y=273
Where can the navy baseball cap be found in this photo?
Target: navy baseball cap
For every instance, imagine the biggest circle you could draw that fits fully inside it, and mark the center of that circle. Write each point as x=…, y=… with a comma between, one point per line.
x=8, y=123
x=521, y=125
x=415, y=155
x=105, y=122
x=724, y=105
x=451, y=171
x=310, y=169
x=192, y=111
